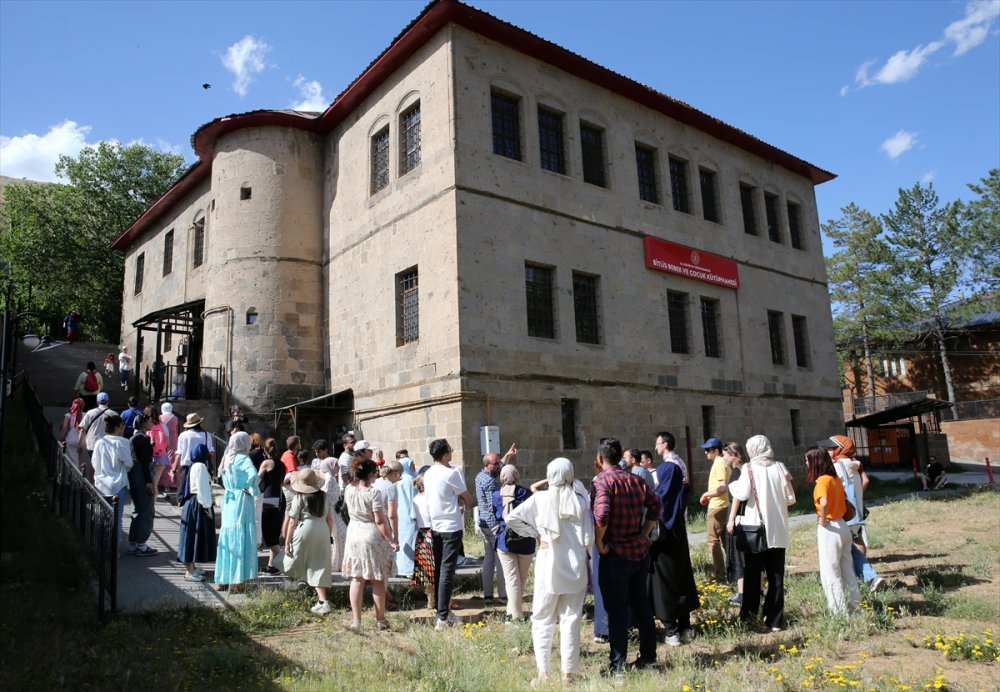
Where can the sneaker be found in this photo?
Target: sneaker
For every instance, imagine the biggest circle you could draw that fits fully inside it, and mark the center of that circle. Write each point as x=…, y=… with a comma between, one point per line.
x=600, y=639
x=200, y=571
x=144, y=551
x=642, y=664
x=449, y=621
x=132, y=547
x=194, y=577
x=776, y=629
x=672, y=640
x=736, y=600
x=613, y=672
x=321, y=608
x=877, y=584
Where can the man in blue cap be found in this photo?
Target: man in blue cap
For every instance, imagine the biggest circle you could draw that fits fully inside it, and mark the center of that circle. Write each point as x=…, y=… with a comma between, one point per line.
x=717, y=499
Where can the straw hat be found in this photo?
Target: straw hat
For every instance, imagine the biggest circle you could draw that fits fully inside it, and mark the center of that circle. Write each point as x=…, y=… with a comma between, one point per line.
x=192, y=420
x=305, y=481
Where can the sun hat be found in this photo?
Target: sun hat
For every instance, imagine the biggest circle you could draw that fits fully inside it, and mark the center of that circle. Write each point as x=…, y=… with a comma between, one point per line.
x=192, y=420
x=305, y=481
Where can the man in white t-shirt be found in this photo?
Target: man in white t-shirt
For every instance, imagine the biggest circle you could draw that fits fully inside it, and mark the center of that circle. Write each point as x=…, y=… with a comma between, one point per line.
x=344, y=462
x=446, y=493
x=124, y=366
x=193, y=434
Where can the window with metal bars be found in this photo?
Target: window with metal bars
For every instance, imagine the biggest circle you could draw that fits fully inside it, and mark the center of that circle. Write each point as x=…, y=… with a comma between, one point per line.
x=776, y=331
x=569, y=423
x=550, y=140
x=198, y=254
x=645, y=165
x=709, y=194
x=795, y=225
x=592, y=148
x=409, y=139
x=747, y=194
x=710, y=327
x=380, y=159
x=679, y=185
x=585, y=307
x=407, y=306
x=539, y=305
x=800, y=336
x=796, y=422
x=140, y=269
x=506, y=125
x=707, y=422
x=677, y=314
x=168, y=252
x=771, y=212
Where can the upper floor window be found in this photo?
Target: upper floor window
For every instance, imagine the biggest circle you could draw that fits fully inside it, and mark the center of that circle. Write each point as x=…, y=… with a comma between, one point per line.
x=380, y=159
x=407, y=306
x=585, y=308
x=709, y=194
x=168, y=252
x=679, y=185
x=710, y=327
x=592, y=146
x=800, y=336
x=550, y=140
x=539, y=304
x=771, y=212
x=645, y=165
x=895, y=367
x=506, y=125
x=747, y=195
x=140, y=267
x=198, y=254
x=776, y=332
x=795, y=225
x=409, y=139
x=677, y=314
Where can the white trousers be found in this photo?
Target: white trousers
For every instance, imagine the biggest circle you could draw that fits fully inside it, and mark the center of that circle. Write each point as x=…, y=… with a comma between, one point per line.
x=836, y=569
x=567, y=608
x=515, y=576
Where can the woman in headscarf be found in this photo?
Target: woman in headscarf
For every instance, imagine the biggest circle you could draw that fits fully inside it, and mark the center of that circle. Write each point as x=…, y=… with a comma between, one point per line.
x=514, y=560
x=236, y=562
x=560, y=519
x=69, y=433
x=852, y=475
x=171, y=428
x=765, y=489
x=197, y=538
x=406, y=492
x=672, y=590
x=307, y=546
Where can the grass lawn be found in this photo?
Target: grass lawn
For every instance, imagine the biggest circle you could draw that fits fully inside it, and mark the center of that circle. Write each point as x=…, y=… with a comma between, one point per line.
x=929, y=630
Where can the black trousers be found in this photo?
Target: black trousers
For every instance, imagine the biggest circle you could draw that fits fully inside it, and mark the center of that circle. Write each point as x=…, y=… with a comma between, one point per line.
x=771, y=561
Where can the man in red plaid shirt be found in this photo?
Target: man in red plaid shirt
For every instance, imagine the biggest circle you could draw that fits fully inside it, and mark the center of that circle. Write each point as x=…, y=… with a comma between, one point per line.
x=625, y=512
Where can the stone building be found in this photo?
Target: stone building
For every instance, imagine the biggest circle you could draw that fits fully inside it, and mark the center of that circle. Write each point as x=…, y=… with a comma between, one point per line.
x=487, y=229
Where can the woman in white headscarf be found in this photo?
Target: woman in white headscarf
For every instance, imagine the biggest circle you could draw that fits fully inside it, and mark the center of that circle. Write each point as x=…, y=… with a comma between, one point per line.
x=236, y=558
x=560, y=518
x=515, y=559
x=767, y=492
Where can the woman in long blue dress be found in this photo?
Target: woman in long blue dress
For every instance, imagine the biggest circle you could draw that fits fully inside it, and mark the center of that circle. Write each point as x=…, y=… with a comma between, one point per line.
x=237, y=552
x=197, y=538
x=407, y=519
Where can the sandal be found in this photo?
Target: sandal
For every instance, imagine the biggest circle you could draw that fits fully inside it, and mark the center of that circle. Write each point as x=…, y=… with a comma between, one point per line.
x=383, y=625
x=355, y=625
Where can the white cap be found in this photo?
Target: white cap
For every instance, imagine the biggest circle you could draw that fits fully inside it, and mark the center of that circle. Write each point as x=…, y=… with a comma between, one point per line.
x=362, y=445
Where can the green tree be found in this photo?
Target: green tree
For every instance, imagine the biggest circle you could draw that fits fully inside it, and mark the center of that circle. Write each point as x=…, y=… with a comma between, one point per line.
x=57, y=237
x=931, y=246
x=860, y=287
x=983, y=217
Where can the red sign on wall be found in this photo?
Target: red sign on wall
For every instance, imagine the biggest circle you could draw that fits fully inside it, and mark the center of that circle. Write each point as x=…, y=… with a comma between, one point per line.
x=694, y=264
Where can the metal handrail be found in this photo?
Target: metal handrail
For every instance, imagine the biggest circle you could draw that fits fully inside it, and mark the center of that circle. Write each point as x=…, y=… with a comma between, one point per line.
x=75, y=498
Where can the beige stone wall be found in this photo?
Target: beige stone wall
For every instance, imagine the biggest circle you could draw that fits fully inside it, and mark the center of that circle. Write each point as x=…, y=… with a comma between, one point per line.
x=974, y=440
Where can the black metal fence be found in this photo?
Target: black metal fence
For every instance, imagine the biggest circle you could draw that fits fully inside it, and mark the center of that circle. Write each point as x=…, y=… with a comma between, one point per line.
x=75, y=498
x=209, y=384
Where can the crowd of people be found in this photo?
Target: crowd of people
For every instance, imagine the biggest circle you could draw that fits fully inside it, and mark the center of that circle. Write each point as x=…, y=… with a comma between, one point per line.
x=625, y=539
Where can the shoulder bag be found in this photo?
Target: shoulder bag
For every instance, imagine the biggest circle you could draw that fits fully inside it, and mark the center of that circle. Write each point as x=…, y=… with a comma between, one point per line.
x=752, y=539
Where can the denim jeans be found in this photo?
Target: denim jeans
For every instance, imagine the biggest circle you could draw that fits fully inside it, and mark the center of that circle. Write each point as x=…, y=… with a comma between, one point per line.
x=623, y=585
x=142, y=514
x=862, y=568
x=600, y=614
x=447, y=547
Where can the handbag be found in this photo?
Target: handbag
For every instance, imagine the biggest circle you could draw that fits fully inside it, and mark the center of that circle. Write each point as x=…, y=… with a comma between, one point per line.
x=752, y=539
x=516, y=543
x=340, y=507
x=852, y=498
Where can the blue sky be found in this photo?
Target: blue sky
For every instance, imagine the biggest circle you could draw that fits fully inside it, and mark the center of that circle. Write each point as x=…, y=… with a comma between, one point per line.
x=884, y=94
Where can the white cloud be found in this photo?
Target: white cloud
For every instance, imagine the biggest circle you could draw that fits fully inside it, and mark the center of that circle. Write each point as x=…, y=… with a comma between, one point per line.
x=928, y=177
x=972, y=29
x=244, y=59
x=845, y=90
x=34, y=156
x=899, y=143
x=310, y=95
x=965, y=34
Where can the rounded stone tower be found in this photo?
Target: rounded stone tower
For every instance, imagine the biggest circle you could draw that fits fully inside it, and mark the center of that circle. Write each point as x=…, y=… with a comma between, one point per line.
x=265, y=298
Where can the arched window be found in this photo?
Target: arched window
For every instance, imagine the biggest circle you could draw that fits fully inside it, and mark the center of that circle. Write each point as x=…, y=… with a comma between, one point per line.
x=251, y=316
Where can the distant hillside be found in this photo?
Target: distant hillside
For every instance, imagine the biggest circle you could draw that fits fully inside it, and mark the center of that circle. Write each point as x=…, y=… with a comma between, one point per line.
x=6, y=180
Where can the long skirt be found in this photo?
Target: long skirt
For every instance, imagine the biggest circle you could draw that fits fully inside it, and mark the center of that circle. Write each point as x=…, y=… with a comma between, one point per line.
x=310, y=561
x=423, y=562
x=197, y=539
x=272, y=514
x=672, y=590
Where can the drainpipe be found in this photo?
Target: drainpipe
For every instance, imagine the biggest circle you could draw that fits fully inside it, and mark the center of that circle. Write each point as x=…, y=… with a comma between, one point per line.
x=229, y=349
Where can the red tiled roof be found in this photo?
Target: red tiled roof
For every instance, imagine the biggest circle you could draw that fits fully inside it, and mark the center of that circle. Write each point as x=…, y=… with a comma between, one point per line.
x=432, y=19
